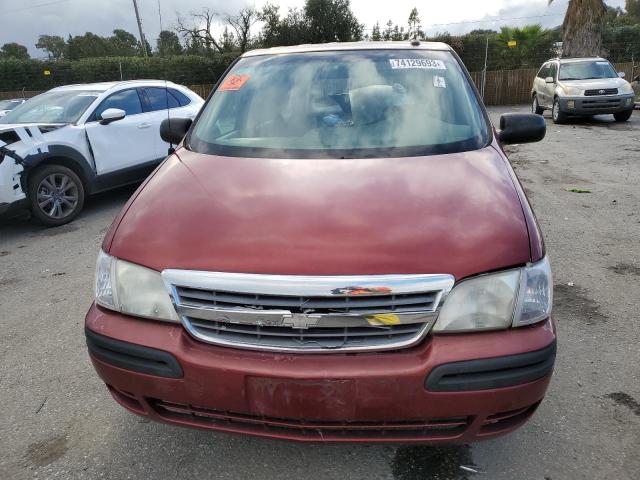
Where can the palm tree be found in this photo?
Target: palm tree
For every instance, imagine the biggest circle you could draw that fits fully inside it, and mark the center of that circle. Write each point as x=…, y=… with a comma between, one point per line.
x=582, y=28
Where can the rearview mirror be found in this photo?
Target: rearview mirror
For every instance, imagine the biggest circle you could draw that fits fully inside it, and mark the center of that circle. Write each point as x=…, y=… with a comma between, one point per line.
x=549, y=80
x=173, y=130
x=521, y=128
x=112, y=115
x=622, y=74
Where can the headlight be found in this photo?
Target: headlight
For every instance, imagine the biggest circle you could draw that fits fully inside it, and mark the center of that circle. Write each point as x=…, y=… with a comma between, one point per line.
x=132, y=290
x=626, y=89
x=499, y=300
x=571, y=91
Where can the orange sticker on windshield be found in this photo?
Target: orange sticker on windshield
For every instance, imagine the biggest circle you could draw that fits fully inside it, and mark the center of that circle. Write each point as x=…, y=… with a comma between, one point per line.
x=234, y=82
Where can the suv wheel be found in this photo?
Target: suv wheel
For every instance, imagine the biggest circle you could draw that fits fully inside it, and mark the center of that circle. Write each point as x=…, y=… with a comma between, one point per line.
x=623, y=116
x=557, y=114
x=56, y=195
x=535, y=106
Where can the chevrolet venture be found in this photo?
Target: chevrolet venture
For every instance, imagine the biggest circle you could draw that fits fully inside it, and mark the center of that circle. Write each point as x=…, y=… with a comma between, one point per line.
x=337, y=251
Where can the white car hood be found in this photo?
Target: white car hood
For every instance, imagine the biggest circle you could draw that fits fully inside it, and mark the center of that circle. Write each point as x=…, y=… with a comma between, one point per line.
x=596, y=83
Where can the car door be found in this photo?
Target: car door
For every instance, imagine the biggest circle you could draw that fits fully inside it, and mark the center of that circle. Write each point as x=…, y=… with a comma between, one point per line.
x=124, y=143
x=541, y=85
x=163, y=103
x=550, y=88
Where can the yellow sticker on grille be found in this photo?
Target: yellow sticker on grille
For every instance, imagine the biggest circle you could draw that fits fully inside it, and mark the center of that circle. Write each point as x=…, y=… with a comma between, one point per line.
x=383, y=319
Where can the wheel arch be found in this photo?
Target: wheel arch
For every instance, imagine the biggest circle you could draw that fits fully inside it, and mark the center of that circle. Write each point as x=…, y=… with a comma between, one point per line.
x=60, y=155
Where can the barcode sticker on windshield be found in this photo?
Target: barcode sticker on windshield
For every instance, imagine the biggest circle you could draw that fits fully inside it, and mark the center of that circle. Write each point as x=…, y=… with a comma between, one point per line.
x=439, y=82
x=422, y=63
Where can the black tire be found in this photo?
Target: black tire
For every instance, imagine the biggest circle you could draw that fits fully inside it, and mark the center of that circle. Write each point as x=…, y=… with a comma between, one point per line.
x=56, y=195
x=535, y=106
x=623, y=116
x=559, y=117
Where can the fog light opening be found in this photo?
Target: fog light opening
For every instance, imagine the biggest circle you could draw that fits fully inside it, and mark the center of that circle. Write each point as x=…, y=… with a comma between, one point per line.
x=571, y=104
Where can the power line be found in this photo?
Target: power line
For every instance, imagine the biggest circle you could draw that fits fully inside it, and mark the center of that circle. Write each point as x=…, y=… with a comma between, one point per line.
x=24, y=9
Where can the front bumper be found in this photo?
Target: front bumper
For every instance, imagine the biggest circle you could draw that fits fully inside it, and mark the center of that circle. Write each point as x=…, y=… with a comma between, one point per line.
x=372, y=397
x=596, y=105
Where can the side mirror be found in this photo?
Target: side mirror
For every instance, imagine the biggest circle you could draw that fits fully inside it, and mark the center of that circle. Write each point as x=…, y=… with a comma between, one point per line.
x=521, y=128
x=549, y=80
x=173, y=130
x=622, y=74
x=112, y=115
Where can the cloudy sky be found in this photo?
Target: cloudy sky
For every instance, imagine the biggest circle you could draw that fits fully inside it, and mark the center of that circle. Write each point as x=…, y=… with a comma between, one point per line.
x=23, y=21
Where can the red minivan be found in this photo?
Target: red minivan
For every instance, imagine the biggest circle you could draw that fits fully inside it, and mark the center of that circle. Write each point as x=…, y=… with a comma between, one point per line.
x=339, y=251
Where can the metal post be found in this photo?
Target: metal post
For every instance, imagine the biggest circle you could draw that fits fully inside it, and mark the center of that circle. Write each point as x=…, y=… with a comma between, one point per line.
x=484, y=70
x=142, y=41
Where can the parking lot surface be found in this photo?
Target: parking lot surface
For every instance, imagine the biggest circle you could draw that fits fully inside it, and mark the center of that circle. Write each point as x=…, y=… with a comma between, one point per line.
x=58, y=421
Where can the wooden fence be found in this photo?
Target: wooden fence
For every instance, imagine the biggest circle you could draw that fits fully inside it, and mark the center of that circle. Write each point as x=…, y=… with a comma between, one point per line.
x=503, y=87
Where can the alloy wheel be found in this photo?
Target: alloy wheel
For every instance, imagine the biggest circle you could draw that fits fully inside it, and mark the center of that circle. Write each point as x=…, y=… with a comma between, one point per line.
x=57, y=195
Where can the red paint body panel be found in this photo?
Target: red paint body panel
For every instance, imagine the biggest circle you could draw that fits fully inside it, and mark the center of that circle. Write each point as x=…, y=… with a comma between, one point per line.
x=362, y=387
x=459, y=214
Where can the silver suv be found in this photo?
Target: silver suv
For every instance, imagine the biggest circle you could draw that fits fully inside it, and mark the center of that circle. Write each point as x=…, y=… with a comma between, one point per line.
x=581, y=87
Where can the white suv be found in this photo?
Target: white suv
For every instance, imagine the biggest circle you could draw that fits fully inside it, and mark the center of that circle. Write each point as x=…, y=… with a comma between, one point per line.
x=581, y=87
x=81, y=139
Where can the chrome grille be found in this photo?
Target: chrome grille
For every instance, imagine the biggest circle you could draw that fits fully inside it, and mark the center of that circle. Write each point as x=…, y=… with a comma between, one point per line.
x=411, y=302
x=307, y=314
x=318, y=337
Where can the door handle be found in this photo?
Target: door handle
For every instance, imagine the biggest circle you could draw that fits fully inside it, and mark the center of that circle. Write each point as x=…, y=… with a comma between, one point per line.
x=144, y=125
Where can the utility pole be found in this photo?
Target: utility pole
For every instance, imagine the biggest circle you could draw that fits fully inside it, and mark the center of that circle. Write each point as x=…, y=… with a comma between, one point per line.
x=142, y=41
x=484, y=70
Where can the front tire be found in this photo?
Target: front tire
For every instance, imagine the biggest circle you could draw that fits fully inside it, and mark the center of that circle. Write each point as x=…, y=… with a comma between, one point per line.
x=56, y=195
x=623, y=116
x=559, y=117
x=535, y=106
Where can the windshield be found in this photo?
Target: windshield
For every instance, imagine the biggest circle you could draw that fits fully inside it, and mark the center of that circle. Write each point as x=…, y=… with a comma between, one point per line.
x=374, y=103
x=52, y=107
x=9, y=104
x=587, y=71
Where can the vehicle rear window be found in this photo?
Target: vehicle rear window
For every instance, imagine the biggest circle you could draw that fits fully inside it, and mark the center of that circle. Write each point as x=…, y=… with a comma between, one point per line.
x=347, y=104
x=159, y=98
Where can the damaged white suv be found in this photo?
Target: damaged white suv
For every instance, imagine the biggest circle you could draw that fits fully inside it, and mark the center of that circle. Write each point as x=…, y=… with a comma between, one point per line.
x=77, y=140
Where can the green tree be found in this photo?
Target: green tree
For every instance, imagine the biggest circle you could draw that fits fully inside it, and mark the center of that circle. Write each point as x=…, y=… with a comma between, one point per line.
x=168, y=44
x=415, y=29
x=53, y=45
x=582, y=28
x=331, y=21
x=88, y=45
x=376, y=35
x=14, y=50
x=124, y=44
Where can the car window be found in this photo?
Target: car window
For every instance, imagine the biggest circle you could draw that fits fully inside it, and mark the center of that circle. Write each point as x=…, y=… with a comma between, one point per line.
x=544, y=71
x=157, y=99
x=127, y=100
x=9, y=104
x=553, y=69
x=587, y=70
x=182, y=99
x=344, y=104
x=54, y=106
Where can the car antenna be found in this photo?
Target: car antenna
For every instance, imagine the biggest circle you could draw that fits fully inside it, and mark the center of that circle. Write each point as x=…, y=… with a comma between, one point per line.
x=166, y=88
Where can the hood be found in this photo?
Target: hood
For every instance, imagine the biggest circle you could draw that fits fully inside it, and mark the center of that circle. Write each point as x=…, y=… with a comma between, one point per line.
x=595, y=83
x=458, y=214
